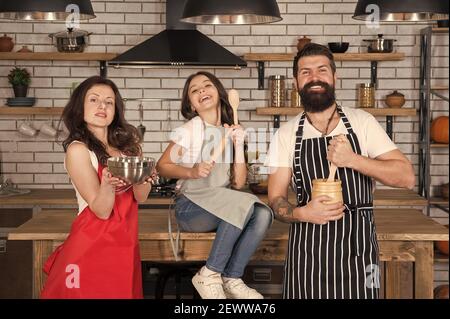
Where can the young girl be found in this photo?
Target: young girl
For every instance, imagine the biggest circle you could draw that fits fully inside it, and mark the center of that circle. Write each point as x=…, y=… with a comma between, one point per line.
x=205, y=202
x=100, y=258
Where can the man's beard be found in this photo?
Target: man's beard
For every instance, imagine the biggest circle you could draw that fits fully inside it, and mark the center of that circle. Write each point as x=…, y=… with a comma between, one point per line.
x=315, y=102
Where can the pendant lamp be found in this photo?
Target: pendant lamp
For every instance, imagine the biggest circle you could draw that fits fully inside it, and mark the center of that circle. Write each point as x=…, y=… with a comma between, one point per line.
x=231, y=12
x=402, y=10
x=45, y=9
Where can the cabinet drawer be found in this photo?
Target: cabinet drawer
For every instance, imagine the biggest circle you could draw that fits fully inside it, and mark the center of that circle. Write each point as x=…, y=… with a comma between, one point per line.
x=15, y=256
x=266, y=278
x=14, y=217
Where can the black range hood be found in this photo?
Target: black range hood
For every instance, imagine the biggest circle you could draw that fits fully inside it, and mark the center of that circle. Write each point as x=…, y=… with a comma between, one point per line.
x=179, y=45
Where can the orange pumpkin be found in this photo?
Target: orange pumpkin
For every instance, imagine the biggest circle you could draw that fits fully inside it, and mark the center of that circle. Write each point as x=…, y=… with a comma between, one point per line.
x=439, y=130
x=442, y=246
x=441, y=292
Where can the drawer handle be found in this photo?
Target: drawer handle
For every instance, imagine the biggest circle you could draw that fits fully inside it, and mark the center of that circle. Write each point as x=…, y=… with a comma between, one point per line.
x=263, y=274
x=2, y=245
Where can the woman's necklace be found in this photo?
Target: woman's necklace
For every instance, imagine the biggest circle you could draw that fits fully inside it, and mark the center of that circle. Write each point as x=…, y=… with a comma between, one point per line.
x=324, y=133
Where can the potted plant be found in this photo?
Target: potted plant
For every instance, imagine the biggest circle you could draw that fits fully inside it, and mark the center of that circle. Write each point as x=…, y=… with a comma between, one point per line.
x=19, y=79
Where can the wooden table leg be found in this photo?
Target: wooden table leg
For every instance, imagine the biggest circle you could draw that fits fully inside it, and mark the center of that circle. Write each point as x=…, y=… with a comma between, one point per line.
x=393, y=280
x=424, y=272
x=41, y=250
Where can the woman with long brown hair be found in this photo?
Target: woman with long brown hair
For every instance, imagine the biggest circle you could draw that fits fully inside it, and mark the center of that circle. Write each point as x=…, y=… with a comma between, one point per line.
x=206, y=201
x=100, y=258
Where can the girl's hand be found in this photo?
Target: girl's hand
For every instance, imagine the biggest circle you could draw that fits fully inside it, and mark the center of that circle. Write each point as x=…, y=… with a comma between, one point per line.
x=201, y=170
x=238, y=134
x=109, y=180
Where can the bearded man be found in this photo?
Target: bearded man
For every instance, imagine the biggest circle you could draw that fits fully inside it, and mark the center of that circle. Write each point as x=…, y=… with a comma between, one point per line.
x=332, y=248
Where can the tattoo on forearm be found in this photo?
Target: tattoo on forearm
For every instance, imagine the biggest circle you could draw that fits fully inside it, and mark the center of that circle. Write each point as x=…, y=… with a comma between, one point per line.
x=283, y=210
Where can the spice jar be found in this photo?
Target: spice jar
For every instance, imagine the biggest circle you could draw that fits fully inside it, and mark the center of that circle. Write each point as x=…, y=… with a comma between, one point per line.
x=295, y=97
x=332, y=189
x=366, y=95
x=277, y=88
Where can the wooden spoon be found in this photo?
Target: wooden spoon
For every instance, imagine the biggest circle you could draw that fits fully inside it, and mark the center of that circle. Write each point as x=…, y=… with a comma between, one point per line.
x=233, y=99
x=333, y=170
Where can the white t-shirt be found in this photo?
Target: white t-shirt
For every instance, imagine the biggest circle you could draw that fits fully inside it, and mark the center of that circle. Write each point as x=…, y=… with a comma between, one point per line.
x=191, y=136
x=372, y=138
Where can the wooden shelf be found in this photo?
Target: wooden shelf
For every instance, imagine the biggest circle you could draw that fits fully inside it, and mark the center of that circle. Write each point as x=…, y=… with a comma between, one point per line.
x=439, y=201
x=439, y=88
x=57, y=56
x=438, y=145
x=25, y=110
x=292, y=111
x=337, y=56
x=440, y=30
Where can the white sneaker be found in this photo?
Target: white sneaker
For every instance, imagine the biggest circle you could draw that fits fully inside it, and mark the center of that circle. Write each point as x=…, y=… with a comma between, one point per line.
x=237, y=289
x=209, y=287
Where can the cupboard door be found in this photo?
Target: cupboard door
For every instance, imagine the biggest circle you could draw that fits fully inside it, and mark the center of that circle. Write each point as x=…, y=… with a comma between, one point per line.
x=15, y=256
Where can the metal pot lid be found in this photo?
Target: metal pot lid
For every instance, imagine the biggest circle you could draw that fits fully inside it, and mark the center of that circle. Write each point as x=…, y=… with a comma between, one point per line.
x=70, y=33
x=396, y=93
x=380, y=38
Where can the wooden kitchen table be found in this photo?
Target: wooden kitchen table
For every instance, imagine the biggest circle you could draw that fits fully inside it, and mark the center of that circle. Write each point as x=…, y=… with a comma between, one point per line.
x=404, y=235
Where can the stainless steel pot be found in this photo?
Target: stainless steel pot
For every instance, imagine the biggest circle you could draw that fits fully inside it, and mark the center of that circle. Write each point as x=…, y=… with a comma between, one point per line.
x=70, y=40
x=380, y=45
x=131, y=169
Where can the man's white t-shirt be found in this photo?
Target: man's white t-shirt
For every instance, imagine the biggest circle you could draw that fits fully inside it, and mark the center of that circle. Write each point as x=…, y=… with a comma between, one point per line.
x=372, y=138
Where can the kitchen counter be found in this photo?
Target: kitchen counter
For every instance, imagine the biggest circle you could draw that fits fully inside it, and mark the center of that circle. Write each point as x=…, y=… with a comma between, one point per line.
x=405, y=235
x=59, y=197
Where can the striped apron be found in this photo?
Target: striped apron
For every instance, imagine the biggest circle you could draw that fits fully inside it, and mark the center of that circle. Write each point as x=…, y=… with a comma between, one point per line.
x=339, y=259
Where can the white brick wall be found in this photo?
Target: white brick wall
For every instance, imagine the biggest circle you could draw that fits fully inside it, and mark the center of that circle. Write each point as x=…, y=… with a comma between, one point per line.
x=121, y=24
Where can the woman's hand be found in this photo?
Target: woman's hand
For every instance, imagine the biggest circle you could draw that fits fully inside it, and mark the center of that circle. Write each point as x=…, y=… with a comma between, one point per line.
x=238, y=134
x=109, y=180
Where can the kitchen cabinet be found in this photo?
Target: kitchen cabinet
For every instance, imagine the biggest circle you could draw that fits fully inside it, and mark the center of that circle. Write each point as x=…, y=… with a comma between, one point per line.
x=16, y=265
x=425, y=110
x=374, y=58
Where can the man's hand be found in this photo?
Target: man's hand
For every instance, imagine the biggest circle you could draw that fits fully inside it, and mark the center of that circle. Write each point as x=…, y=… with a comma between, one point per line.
x=340, y=152
x=317, y=212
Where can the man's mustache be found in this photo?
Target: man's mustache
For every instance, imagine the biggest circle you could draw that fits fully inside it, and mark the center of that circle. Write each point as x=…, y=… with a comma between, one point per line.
x=309, y=85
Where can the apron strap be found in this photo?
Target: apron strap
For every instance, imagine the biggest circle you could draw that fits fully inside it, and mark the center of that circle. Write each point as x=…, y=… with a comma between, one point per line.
x=344, y=119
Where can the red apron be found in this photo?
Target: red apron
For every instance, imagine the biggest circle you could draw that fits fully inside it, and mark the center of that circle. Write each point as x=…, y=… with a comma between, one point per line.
x=99, y=258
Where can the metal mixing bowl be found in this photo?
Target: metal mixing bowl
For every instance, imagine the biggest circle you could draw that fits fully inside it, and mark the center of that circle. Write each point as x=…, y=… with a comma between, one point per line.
x=132, y=169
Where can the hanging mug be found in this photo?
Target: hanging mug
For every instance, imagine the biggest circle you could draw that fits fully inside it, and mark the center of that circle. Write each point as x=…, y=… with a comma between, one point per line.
x=26, y=129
